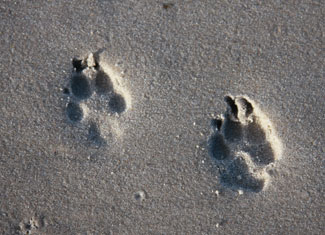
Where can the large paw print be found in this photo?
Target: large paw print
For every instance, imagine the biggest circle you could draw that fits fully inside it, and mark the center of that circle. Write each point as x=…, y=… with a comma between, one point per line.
x=244, y=143
x=95, y=95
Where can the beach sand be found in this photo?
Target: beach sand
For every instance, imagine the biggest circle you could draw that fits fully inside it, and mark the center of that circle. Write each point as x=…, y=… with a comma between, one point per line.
x=113, y=117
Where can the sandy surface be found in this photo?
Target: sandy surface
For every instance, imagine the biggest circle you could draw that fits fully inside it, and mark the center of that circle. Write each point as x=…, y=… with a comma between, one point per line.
x=144, y=164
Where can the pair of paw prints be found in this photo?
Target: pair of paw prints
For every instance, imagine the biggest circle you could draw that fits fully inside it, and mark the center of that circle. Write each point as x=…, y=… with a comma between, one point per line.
x=244, y=144
x=94, y=94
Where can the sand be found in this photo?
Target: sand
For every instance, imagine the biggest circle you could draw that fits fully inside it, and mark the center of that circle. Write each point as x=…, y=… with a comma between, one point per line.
x=109, y=109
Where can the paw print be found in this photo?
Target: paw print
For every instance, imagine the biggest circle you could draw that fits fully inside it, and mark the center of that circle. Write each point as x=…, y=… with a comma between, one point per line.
x=33, y=226
x=95, y=97
x=244, y=143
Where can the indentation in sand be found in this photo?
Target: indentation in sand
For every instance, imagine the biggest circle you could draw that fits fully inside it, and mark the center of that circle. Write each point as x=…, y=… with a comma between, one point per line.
x=98, y=97
x=245, y=142
x=33, y=226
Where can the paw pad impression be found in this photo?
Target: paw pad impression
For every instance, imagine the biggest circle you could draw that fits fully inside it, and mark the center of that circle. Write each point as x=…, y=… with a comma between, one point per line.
x=244, y=143
x=96, y=96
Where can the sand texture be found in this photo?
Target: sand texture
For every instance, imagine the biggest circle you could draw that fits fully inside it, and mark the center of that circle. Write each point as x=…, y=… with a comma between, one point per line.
x=162, y=117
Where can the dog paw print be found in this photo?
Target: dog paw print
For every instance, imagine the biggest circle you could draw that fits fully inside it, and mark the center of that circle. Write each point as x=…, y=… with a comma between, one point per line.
x=33, y=225
x=96, y=96
x=244, y=143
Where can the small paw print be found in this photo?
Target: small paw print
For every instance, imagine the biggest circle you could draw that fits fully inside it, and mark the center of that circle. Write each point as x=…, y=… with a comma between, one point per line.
x=244, y=143
x=33, y=226
x=95, y=97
